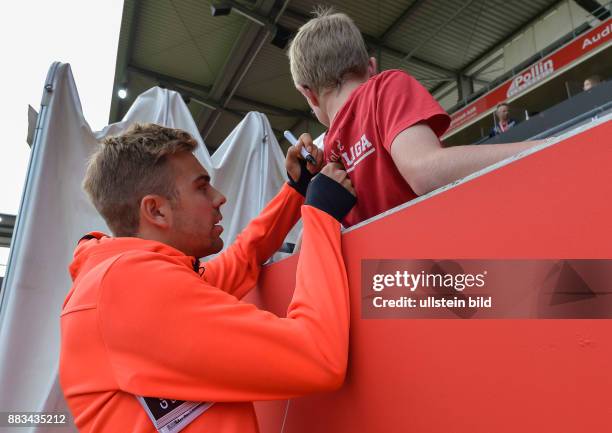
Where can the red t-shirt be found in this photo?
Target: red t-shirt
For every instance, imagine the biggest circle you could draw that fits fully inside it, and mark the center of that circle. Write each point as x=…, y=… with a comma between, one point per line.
x=364, y=129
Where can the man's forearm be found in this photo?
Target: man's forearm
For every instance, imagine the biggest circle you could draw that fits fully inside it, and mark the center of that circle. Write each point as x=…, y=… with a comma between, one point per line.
x=236, y=269
x=449, y=164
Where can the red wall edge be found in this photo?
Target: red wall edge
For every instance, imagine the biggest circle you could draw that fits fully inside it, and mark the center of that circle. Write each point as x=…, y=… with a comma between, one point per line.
x=474, y=376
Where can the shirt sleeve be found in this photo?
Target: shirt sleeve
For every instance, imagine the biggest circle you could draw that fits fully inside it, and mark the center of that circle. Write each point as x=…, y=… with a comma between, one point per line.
x=169, y=334
x=401, y=102
x=236, y=270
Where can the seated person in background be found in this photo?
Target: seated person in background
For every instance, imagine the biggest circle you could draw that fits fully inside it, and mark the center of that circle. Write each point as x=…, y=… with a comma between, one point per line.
x=384, y=127
x=503, y=121
x=145, y=318
x=591, y=82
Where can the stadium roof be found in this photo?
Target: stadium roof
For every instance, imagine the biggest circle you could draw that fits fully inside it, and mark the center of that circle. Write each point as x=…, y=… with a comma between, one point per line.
x=227, y=65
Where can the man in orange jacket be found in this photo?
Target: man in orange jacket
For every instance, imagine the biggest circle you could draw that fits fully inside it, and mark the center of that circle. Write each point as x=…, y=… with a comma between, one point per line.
x=145, y=324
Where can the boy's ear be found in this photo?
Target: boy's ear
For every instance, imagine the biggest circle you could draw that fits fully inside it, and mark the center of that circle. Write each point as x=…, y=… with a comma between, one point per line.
x=372, y=67
x=312, y=97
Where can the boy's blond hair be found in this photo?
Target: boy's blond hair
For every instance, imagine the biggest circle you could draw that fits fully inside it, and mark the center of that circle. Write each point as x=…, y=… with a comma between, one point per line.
x=130, y=166
x=325, y=50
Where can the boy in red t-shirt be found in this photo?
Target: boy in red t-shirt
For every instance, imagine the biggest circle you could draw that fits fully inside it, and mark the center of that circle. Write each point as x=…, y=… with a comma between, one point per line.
x=384, y=127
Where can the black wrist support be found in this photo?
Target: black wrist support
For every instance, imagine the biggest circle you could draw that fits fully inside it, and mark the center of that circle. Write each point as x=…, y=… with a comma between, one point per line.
x=329, y=196
x=301, y=185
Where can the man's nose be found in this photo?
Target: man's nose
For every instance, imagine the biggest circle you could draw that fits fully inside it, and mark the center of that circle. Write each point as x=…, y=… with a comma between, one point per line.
x=220, y=199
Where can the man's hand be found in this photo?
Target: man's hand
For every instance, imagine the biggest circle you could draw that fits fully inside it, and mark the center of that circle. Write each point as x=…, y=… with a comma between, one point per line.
x=331, y=191
x=336, y=171
x=292, y=162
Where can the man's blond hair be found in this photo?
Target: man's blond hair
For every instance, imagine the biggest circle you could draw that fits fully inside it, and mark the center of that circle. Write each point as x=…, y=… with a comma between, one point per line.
x=130, y=166
x=325, y=50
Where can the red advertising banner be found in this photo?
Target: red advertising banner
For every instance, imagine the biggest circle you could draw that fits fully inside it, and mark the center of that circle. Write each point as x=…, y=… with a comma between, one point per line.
x=535, y=73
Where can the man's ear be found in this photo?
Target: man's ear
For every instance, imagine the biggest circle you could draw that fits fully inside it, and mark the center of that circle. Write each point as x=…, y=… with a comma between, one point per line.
x=372, y=66
x=309, y=94
x=155, y=210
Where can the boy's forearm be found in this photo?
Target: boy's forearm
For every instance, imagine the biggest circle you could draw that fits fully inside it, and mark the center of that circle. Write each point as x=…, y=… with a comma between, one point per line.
x=449, y=164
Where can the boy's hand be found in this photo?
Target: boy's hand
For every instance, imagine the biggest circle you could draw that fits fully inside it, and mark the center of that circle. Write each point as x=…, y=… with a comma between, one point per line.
x=294, y=161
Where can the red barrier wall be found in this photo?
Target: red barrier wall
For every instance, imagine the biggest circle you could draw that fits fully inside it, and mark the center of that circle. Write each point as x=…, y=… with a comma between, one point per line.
x=475, y=376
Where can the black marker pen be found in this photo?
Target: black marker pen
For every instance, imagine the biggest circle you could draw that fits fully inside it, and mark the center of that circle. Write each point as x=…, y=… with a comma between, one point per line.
x=307, y=156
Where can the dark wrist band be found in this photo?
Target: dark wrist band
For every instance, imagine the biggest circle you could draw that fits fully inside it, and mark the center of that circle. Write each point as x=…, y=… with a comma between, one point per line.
x=326, y=194
x=301, y=185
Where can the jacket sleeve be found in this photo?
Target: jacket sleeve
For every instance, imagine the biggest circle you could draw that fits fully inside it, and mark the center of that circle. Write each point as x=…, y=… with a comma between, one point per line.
x=169, y=334
x=236, y=270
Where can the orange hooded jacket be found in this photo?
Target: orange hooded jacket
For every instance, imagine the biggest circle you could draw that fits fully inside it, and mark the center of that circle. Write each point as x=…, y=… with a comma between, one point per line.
x=140, y=321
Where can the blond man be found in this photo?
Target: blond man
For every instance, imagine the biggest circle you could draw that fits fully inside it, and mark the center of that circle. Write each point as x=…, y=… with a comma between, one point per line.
x=384, y=128
x=146, y=327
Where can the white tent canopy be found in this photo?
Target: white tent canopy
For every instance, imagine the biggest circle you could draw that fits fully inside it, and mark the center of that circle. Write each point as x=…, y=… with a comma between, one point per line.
x=55, y=213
